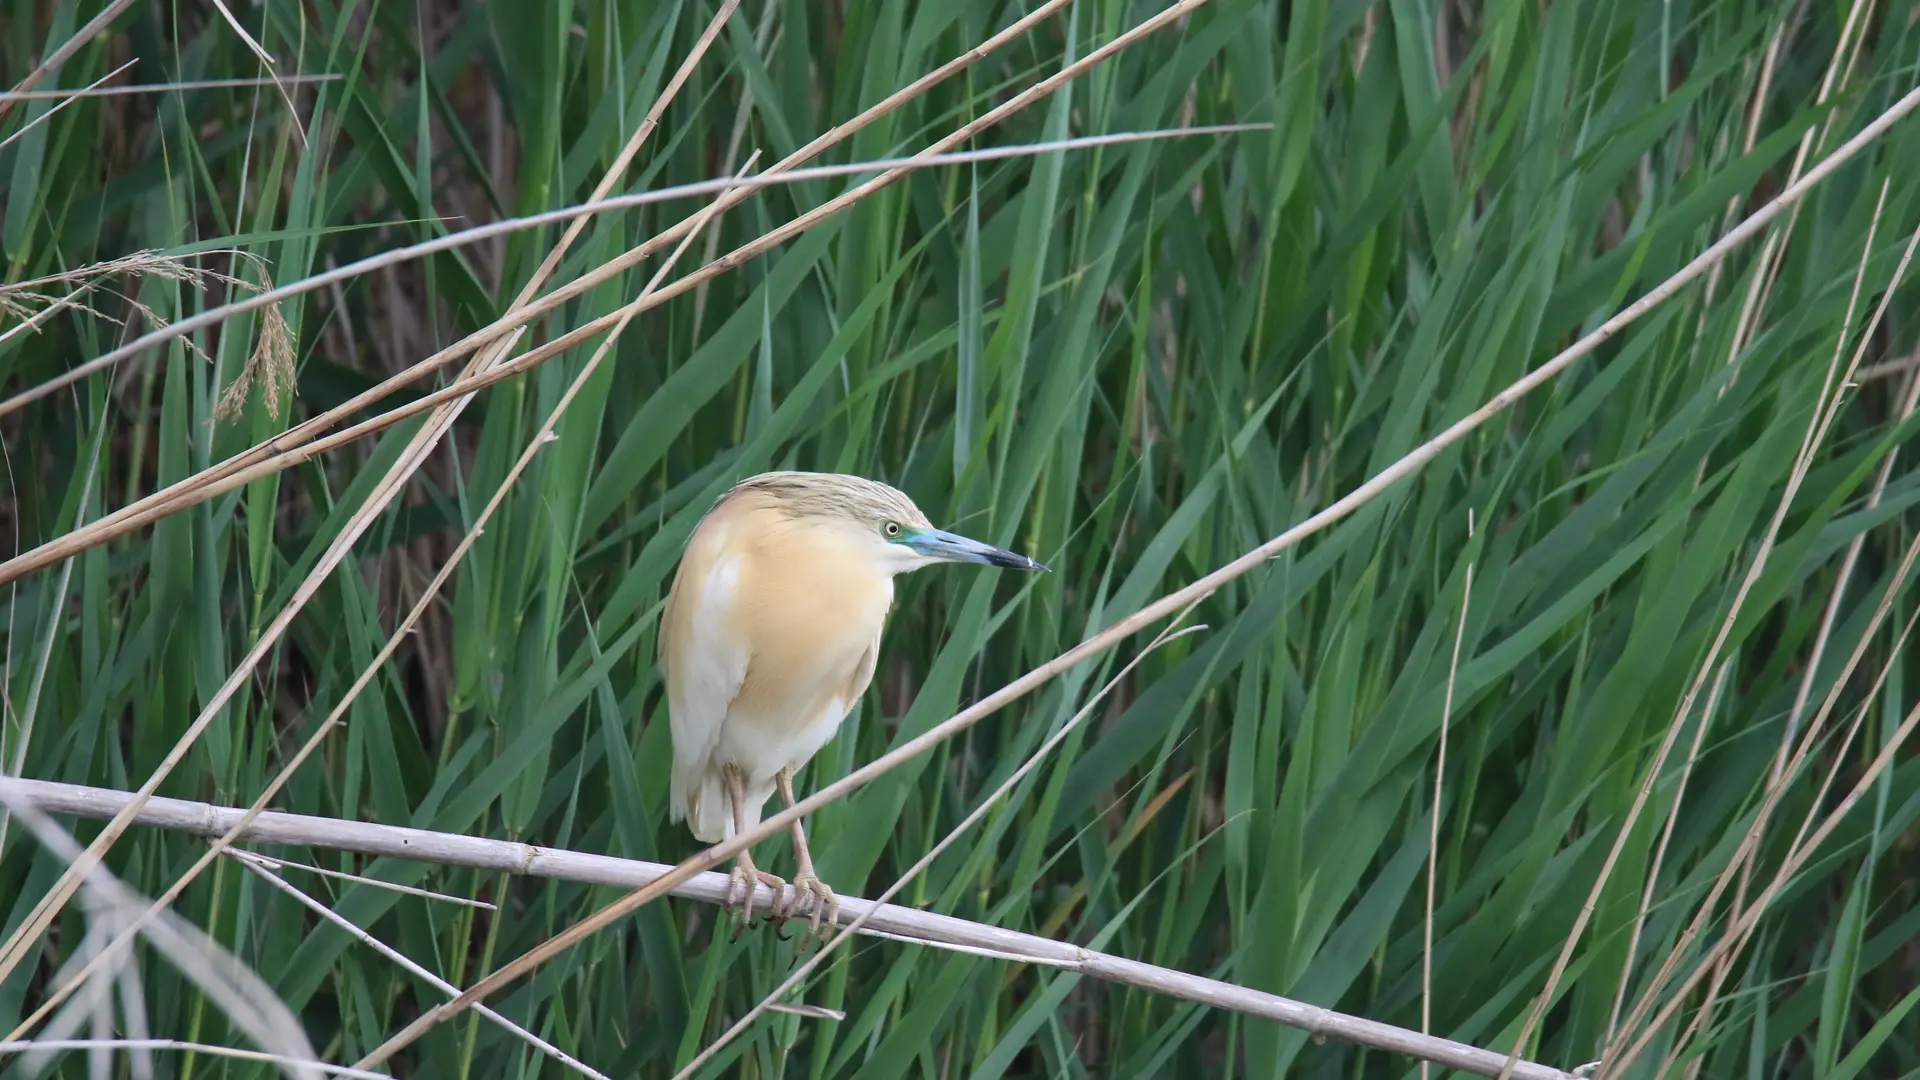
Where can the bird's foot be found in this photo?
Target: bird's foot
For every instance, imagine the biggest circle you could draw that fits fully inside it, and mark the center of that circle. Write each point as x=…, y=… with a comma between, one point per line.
x=743, y=879
x=822, y=905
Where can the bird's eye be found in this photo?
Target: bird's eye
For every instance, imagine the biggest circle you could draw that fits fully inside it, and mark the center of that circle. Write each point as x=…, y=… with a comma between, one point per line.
x=891, y=528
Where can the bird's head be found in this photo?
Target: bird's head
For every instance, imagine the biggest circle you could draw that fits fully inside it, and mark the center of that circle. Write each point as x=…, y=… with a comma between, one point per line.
x=875, y=519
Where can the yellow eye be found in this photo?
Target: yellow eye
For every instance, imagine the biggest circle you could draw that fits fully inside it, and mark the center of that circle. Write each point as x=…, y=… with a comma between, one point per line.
x=891, y=528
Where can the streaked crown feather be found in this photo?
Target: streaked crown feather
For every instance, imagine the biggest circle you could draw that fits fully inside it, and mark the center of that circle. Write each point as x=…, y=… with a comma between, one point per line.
x=810, y=494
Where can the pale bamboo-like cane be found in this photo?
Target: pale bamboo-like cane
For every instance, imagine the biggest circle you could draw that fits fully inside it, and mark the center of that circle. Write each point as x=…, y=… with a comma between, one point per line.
x=883, y=920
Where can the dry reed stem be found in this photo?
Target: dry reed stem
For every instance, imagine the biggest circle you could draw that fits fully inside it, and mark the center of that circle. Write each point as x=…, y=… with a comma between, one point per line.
x=1646, y=899
x=1773, y=253
x=13, y=568
x=161, y=88
x=1762, y=85
x=29, y=930
x=190, y=1047
x=250, y=1005
x=1172, y=602
x=1777, y=776
x=1827, y=407
x=278, y=865
x=1841, y=54
x=261, y=867
x=65, y=52
x=1660, y=850
x=1745, y=923
x=266, y=58
x=883, y=920
x=1823, y=417
x=1433, y=825
x=1750, y=841
x=49, y=114
x=512, y=321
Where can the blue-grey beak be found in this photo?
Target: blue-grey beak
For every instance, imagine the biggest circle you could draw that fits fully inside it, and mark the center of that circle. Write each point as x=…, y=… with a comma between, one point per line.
x=940, y=544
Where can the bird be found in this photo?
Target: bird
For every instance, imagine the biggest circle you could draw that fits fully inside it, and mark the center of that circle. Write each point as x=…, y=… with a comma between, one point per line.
x=769, y=637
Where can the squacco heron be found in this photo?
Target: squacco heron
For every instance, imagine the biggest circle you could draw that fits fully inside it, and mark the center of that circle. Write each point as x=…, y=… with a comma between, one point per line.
x=769, y=638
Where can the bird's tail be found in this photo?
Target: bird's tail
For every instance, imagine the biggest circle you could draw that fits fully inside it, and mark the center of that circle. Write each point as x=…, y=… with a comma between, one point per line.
x=698, y=796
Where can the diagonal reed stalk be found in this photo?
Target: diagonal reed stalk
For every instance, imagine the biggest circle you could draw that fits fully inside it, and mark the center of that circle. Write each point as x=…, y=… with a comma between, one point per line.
x=65, y=52
x=1743, y=925
x=807, y=967
x=1433, y=825
x=264, y=870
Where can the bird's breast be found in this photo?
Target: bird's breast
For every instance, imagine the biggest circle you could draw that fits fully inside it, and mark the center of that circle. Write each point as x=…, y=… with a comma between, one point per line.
x=814, y=621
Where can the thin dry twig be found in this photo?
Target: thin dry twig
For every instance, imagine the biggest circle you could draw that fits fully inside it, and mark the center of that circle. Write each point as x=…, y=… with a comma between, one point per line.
x=1433, y=825
x=1773, y=252
x=1660, y=849
x=1745, y=923
x=278, y=865
x=262, y=867
x=882, y=920
x=161, y=88
x=1778, y=776
x=48, y=115
x=249, y=1004
x=1166, y=605
x=190, y=1047
x=65, y=52
x=1770, y=799
x=266, y=59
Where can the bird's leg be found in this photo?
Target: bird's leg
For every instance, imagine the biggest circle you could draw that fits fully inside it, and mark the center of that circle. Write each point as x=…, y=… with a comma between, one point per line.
x=820, y=899
x=745, y=875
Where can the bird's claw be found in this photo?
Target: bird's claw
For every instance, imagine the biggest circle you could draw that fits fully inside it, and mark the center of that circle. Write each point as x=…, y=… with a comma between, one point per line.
x=822, y=905
x=744, y=881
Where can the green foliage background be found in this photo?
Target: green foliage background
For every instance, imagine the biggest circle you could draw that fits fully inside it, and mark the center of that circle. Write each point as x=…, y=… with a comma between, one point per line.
x=1134, y=363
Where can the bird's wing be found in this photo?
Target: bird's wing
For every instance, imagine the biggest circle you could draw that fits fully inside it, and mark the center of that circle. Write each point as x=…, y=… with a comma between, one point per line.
x=862, y=676
x=704, y=662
